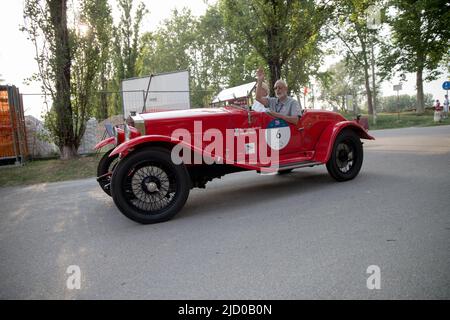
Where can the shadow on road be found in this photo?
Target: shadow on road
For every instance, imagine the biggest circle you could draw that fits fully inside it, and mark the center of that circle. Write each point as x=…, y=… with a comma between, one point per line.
x=256, y=191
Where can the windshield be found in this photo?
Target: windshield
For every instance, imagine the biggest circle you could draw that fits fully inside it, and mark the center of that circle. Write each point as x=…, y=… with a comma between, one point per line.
x=236, y=106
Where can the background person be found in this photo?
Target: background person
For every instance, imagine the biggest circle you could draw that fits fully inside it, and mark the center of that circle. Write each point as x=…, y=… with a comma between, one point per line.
x=437, y=111
x=446, y=104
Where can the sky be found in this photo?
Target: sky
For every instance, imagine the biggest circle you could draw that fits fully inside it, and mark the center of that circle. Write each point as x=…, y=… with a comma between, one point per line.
x=17, y=53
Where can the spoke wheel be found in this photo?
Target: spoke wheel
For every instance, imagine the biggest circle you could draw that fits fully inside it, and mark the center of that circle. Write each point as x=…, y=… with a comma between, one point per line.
x=344, y=156
x=347, y=156
x=150, y=188
x=147, y=187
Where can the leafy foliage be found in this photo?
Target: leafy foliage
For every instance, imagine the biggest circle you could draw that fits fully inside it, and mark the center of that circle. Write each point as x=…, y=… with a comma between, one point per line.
x=72, y=63
x=46, y=26
x=96, y=14
x=215, y=57
x=222, y=48
x=342, y=79
x=278, y=30
x=126, y=46
x=402, y=103
x=420, y=37
x=359, y=39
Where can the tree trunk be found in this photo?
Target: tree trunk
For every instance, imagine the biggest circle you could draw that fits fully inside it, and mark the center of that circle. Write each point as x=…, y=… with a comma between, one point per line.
x=275, y=73
x=68, y=153
x=365, y=65
x=368, y=90
x=374, y=104
x=420, y=108
x=62, y=66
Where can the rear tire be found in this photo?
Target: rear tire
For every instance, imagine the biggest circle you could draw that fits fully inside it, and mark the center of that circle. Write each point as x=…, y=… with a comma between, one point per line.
x=346, y=157
x=148, y=187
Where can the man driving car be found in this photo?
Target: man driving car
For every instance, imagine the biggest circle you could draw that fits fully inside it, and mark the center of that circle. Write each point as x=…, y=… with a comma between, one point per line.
x=282, y=106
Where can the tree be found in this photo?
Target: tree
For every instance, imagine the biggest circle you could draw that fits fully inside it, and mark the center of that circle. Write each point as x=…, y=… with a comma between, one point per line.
x=167, y=49
x=69, y=60
x=224, y=58
x=275, y=28
x=304, y=63
x=447, y=61
x=420, y=37
x=171, y=47
x=215, y=57
x=126, y=44
x=343, y=78
x=46, y=25
x=229, y=57
x=91, y=55
x=403, y=102
x=353, y=30
x=97, y=15
x=83, y=83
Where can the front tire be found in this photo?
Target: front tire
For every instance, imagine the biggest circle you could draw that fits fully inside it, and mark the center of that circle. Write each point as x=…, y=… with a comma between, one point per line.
x=148, y=187
x=347, y=156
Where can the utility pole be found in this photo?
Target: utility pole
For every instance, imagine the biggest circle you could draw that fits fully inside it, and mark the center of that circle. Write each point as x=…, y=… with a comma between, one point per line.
x=397, y=88
x=373, y=23
x=374, y=87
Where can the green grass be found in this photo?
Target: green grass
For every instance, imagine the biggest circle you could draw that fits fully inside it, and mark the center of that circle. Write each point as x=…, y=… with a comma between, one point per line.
x=41, y=171
x=402, y=120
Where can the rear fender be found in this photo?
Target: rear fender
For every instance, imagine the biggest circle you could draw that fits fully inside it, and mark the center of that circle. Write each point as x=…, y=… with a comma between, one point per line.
x=105, y=142
x=326, y=141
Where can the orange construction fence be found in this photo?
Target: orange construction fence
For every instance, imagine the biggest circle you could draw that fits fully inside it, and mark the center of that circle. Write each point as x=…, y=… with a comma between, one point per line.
x=13, y=139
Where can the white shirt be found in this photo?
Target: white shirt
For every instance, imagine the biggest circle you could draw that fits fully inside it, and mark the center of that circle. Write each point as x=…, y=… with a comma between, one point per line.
x=259, y=107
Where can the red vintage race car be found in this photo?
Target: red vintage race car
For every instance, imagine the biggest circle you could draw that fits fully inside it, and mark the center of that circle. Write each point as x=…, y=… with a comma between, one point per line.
x=158, y=157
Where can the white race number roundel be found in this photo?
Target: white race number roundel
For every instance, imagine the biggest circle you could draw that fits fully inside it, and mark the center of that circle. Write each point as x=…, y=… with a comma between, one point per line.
x=278, y=134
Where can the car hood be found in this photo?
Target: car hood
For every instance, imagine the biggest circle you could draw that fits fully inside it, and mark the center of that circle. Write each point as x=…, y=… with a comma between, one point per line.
x=188, y=113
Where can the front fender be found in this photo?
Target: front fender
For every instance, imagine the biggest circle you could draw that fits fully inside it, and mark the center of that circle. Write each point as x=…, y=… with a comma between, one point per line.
x=105, y=142
x=326, y=141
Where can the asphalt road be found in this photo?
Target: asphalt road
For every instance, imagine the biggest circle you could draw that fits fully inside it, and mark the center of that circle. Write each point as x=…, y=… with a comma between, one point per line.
x=246, y=236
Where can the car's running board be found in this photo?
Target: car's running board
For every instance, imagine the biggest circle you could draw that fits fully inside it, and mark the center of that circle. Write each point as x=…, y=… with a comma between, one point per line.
x=290, y=166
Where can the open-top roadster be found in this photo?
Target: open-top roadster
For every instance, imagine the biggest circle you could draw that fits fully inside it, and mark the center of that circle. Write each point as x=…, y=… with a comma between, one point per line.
x=158, y=157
